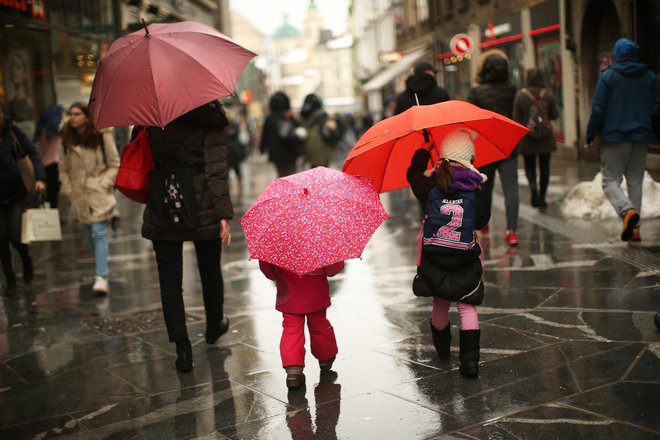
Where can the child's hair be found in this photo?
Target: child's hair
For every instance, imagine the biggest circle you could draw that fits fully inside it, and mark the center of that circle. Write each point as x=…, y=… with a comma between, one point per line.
x=444, y=178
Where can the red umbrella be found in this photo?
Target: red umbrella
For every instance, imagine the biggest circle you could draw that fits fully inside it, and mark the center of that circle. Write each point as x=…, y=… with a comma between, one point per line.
x=312, y=219
x=384, y=151
x=152, y=76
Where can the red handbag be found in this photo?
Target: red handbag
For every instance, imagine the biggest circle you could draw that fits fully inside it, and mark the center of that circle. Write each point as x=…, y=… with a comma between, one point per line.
x=134, y=168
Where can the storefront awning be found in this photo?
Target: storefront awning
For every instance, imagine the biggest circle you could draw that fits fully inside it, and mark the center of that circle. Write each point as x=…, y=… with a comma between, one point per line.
x=390, y=73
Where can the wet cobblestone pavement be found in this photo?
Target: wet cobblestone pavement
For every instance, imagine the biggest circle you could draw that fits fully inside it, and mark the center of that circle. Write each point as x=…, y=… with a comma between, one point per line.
x=569, y=348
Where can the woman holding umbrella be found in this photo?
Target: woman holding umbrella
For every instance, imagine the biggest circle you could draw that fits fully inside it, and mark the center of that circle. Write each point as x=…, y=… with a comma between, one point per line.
x=189, y=201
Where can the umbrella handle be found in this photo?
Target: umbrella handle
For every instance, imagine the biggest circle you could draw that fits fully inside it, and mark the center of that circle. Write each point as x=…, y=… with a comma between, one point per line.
x=427, y=137
x=146, y=29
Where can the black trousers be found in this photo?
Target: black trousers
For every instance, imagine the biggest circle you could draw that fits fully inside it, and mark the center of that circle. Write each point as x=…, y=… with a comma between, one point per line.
x=169, y=257
x=544, y=171
x=52, y=184
x=11, y=215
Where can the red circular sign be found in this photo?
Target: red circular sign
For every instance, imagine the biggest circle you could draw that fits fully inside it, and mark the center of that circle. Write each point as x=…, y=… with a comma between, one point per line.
x=461, y=44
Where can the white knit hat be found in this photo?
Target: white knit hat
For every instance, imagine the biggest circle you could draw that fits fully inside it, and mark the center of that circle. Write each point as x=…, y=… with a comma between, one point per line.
x=458, y=146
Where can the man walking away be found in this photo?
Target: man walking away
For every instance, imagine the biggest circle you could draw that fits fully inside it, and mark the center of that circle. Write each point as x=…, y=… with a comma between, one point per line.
x=621, y=115
x=423, y=84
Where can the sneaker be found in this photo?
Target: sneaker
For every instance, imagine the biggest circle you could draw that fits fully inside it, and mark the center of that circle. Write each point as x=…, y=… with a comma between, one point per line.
x=635, y=235
x=100, y=284
x=630, y=220
x=511, y=237
x=294, y=377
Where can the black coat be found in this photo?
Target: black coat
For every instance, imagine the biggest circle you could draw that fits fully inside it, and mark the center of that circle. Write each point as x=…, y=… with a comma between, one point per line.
x=280, y=151
x=427, y=90
x=448, y=276
x=194, y=140
x=11, y=182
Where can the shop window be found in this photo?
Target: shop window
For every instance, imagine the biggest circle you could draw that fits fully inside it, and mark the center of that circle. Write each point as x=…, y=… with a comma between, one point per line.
x=448, y=6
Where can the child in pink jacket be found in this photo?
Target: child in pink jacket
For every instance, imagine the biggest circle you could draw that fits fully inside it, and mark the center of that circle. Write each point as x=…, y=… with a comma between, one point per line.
x=300, y=297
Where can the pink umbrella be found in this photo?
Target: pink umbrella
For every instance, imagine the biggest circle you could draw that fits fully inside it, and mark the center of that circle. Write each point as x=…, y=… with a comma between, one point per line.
x=312, y=219
x=152, y=76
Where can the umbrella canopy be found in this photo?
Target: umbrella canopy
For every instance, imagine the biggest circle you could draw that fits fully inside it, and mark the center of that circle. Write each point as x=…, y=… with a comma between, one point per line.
x=384, y=151
x=312, y=219
x=152, y=76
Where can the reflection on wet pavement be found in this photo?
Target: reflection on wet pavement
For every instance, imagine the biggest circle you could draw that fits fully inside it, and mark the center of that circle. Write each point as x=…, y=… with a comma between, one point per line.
x=569, y=349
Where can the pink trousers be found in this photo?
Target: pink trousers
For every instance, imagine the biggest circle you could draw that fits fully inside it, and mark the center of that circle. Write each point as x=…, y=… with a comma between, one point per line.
x=321, y=334
x=466, y=312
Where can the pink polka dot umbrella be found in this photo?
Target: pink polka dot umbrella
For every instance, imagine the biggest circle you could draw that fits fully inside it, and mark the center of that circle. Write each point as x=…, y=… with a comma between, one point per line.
x=312, y=219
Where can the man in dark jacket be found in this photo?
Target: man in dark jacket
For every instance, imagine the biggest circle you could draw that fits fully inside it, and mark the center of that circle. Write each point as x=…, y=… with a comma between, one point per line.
x=421, y=86
x=495, y=92
x=621, y=115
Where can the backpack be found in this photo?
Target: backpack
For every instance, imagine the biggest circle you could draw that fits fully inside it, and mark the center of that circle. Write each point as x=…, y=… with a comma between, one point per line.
x=134, y=168
x=330, y=131
x=448, y=225
x=538, y=123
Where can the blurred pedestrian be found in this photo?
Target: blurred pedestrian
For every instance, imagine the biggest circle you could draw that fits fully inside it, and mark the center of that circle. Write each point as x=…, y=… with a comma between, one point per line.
x=450, y=264
x=299, y=298
x=88, y=165
x=495, y=92
x=421, y=88
x=237, y=151
x=189, y=201
x=14, y=144
x=323, y=132
x=535, y=106
x=47, y=135
x=279, y=137
x=621, y=111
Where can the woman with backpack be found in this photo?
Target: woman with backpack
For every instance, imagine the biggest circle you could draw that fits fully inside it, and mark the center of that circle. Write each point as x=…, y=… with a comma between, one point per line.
x=535, y=106
x=450, y=262
x=323, y=132
x=88, y=165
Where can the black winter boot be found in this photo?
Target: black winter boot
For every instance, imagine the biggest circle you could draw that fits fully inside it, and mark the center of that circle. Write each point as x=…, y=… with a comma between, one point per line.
x=469, y=353
x=184, y=360
x=441, y=340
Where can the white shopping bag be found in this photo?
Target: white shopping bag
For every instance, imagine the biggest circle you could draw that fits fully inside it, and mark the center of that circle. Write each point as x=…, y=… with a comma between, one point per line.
x=41, y=224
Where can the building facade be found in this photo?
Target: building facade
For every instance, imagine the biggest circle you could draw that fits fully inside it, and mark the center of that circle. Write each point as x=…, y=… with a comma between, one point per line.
x=570, y=41
x=50, y=49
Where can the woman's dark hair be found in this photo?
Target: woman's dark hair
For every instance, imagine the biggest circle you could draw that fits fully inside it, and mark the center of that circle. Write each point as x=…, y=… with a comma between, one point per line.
x=71, y=136
x=534, y=78
x=444, y=178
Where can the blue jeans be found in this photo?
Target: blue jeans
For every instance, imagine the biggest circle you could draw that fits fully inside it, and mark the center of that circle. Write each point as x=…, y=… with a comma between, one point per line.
x=96, y=235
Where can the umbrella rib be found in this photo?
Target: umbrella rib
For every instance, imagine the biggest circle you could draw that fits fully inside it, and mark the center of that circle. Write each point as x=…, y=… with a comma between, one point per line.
x=194, y=60
x=107, y=89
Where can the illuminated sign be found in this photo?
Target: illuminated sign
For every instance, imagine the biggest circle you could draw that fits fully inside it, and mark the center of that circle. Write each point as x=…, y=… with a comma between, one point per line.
x=37, y=7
